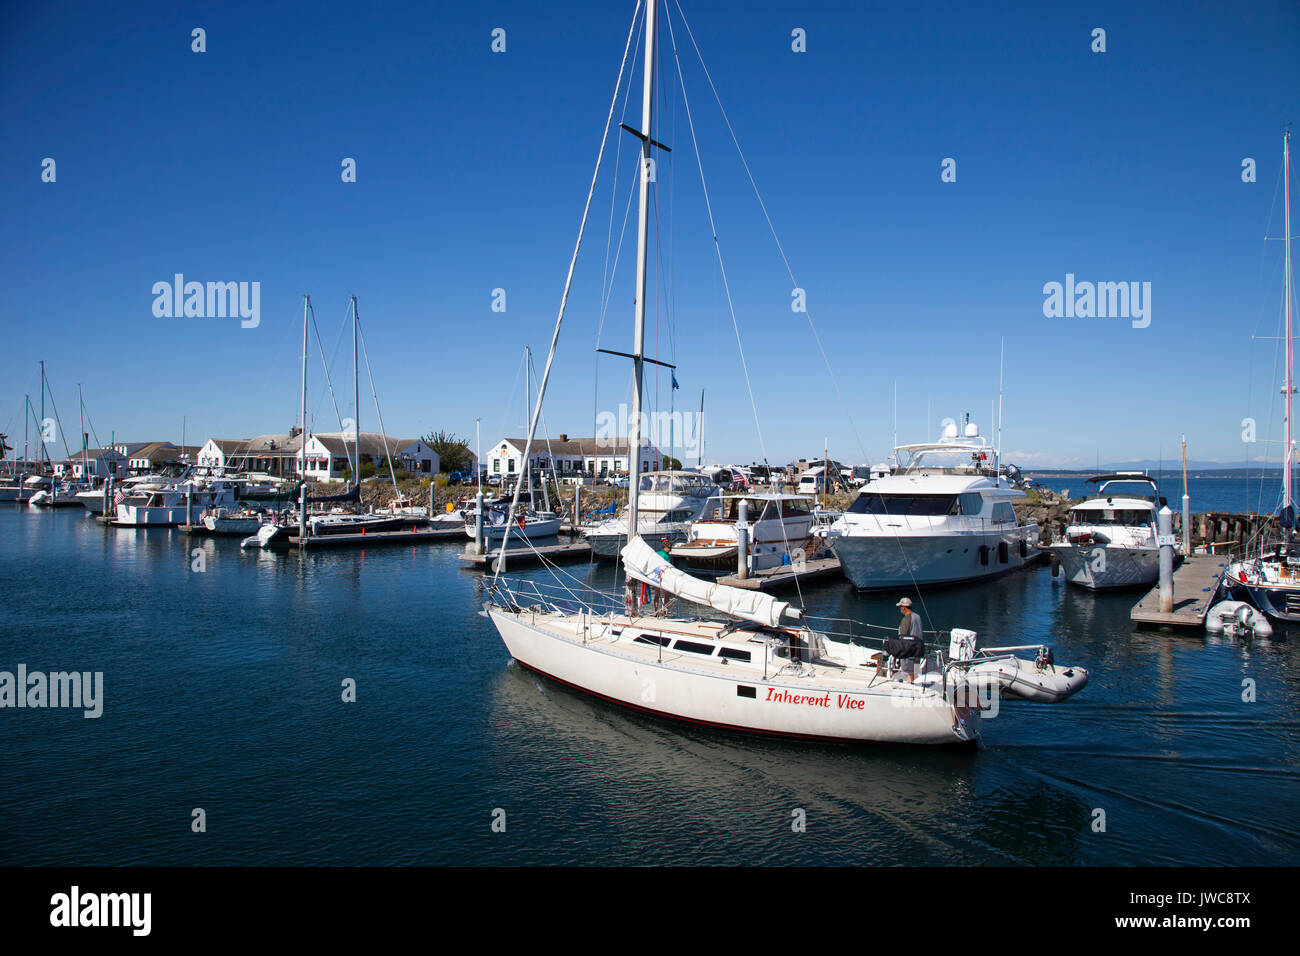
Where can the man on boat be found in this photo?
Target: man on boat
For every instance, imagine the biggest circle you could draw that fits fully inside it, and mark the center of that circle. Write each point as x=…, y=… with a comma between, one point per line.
x=661, y=596
x=908, y=647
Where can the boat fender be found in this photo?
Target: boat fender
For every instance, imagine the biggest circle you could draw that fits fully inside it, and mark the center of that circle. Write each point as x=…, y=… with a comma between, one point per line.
x=1024, y=548
x=1004, y=553
x=984, y=555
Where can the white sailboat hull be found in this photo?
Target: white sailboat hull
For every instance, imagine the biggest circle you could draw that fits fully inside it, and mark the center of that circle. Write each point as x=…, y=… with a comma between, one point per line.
x=780, y=706
x=533, y=528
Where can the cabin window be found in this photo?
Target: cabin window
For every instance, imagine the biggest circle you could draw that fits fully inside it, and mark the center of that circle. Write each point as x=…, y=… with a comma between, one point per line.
x=971, y=503
x=903, y=505
x=694, y=648
x=734, y=653
x=1003, y=512
x=1109, y=516
x=654, y=639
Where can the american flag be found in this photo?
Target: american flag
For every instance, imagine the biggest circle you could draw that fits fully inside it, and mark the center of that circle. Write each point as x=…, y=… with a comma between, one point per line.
x=119, y=496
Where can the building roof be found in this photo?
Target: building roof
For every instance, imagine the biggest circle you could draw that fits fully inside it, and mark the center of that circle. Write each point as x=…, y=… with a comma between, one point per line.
x=276, y=445
x=91, y=453
x=585, y=447
x=372, y=443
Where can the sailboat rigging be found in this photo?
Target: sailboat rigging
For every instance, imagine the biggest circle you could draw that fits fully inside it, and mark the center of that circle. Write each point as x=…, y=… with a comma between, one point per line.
x=763, y=668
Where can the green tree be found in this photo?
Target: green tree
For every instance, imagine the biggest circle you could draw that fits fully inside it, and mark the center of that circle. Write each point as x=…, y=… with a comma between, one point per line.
x=671, y=463
x=453, y=452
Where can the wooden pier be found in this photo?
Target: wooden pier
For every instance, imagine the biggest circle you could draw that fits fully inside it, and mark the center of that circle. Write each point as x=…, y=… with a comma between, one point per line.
x=376, y=538
x=1195, y=581
x=574, y=550
x=785, y=575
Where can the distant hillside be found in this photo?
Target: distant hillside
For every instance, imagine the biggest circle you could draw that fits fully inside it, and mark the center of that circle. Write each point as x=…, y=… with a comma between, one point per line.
x=1207, y=468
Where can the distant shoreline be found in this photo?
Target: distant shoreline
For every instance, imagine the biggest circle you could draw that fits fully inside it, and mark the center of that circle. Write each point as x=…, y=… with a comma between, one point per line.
x=1165, y=473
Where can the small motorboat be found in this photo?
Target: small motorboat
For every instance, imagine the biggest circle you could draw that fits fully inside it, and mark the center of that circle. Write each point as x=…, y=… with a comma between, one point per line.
x=268, y=535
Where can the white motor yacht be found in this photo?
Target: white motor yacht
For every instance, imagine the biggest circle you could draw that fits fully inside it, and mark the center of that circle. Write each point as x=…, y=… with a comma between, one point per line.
x=944, y=516
x=1111, y=539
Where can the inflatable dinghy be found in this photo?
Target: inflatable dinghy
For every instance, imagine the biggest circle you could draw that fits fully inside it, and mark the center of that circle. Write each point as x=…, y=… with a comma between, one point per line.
x=1040, y=680
x=1237, y=619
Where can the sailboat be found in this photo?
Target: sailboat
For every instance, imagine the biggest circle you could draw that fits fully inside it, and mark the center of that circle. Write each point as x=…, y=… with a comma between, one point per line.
x=519, y=512
x=762, y=668
x=1270, y=582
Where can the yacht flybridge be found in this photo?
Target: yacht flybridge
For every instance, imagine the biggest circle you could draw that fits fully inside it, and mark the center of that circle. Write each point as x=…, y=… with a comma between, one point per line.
x=1111, y=539
x=943, y=517
x=763, y=668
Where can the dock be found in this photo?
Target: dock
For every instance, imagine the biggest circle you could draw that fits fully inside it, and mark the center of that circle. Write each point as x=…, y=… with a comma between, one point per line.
x=573, y=551
x=785, y=575
x=376, y=538
x=1195, y=581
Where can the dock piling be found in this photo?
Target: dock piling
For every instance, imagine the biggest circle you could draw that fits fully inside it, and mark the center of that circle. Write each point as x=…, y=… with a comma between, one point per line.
x=1164, y=523
x=742, y=541
x=478, y=523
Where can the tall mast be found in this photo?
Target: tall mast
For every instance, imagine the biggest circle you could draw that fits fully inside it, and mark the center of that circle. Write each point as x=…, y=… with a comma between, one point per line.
x=356, y=402
x=642, y=250
x=527, y=475
x=302, y=434
x=1290, y=360
x=45, y=453
x=85, y=474
x=699, y=456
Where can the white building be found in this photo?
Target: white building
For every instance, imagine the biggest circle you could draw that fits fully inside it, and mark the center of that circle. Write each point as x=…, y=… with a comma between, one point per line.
x=329, y=454
x=573, y=456
x=98, y=463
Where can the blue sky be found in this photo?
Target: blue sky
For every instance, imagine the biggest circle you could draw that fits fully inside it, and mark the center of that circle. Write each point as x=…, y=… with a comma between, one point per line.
x=472, y=168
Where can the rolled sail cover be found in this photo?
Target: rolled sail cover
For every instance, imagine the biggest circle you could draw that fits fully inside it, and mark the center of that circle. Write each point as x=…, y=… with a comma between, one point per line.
x=643, y=564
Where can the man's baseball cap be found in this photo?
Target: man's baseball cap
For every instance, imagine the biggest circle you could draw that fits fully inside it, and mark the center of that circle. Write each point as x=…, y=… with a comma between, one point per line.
x=906, y=602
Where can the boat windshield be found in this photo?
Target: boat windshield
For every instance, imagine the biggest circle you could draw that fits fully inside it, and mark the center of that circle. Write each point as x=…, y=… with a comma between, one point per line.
x=688, y=486
x=906, y=505
x=1111, y=516
x=1135, y=488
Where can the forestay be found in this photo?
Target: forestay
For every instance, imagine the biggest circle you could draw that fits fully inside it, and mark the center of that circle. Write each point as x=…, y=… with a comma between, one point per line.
x=642, y=563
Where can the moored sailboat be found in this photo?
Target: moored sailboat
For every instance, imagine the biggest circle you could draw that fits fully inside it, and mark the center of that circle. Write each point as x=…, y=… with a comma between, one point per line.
x=763, y=668
x=1270, y=580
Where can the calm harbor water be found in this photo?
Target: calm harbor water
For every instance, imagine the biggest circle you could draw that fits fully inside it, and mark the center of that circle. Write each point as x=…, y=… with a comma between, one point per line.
x=222, y=691
x=1239, y=493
